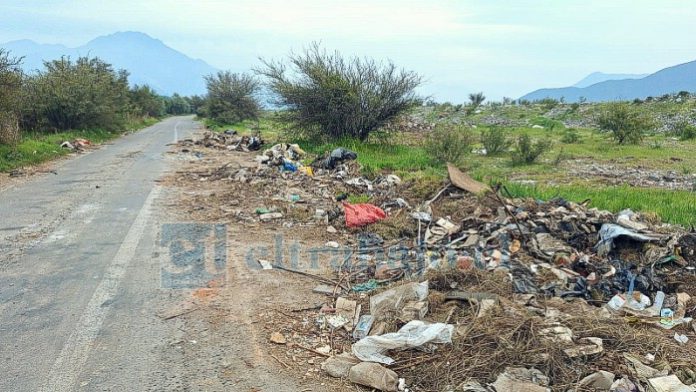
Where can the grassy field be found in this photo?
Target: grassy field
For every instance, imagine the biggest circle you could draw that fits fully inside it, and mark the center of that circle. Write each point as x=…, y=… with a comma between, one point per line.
x=36, y=148
x=404, y=154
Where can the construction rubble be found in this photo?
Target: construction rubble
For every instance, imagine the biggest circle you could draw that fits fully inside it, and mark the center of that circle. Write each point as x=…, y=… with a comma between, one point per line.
x=464, y=288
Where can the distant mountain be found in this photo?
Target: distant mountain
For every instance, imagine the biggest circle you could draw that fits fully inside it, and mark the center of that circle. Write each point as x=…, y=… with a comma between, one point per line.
x=148, y=60
x=597, y=77
x=680, y=77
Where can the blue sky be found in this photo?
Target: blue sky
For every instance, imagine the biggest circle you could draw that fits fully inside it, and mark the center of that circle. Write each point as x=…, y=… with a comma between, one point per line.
x=503, y=48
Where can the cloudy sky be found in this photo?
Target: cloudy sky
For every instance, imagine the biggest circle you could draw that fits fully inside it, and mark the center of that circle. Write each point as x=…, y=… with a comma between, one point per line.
x=503, y=48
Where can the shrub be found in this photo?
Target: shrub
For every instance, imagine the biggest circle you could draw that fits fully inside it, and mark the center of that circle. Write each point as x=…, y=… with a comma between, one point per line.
x=570, y=136
x=495, y=141
x=328, y=96
x=231, y=97
x=10, y=95
x=527, y=150
x=684, y=130
x=86, y=93
x=449, y=143
x=627, y=124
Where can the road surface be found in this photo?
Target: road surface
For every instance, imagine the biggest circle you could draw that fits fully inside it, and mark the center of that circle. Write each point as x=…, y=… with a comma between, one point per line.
x=79, y=273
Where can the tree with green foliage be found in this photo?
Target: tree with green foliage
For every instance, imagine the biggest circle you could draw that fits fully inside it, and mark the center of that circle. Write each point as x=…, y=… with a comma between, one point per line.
x=145, y=103
x=177, y=105
x=476, y=99
x=329, y=96
x=231, y=97
x=626, y=123
x=86, y=93
x=10, y=95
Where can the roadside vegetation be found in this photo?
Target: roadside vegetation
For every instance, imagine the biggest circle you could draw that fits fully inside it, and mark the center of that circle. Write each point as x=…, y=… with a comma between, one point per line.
x=545, y=149
x=68, y=99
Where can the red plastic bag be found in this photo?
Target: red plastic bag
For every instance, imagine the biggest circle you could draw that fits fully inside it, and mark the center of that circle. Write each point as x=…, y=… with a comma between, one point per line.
x=362, y=214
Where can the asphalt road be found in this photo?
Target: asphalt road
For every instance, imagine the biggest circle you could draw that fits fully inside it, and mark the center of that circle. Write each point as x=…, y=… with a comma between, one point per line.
x=80, y=276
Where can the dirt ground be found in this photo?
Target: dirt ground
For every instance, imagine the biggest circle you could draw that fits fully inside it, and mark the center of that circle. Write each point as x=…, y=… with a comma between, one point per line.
x=242, y=312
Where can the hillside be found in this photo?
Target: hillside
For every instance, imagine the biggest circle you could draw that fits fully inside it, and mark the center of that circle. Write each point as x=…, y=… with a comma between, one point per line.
x=148, y=60
x=598, y=77
x=680, y=77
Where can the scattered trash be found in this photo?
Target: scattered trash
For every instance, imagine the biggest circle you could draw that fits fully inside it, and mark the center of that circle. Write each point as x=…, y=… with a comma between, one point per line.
x=682, y=339
x=278, y=338
x=323, y=289
x=265, y=264
x=415, y=334
x=609, y=232
x=669, y=384
x=521, y=380
x=336, y=156
x=601, y=380
x=500, y=271
x=362, y=329
x=358, y=215
x=394, y=300
x=464, y=182
x=339, y=365
x=375, y=376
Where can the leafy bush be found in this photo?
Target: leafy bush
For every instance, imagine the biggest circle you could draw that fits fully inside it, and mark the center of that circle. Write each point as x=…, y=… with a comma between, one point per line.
x=684, y=130
x=548, y=103
x=449, y=143
x=495, y=141
x=527, y=150
x=231, y=97
x=86, y=93
x=10, y=93
x=627, y=124
x=328, y=96
x=570, y=136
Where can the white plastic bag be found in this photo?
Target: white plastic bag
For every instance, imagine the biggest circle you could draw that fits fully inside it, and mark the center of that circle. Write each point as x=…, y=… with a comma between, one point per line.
x=415, y=334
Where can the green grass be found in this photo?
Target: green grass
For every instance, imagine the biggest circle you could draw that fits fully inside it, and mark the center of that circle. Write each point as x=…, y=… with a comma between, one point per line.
x=375, y=157
x=35, y=148
x=671, y=206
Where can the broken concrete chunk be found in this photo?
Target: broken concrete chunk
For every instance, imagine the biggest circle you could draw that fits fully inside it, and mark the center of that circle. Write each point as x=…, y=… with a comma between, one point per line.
x=558, y=334
x=339, y=365
x=668, y=384
x=375, y=376
x=601, y=380
x=521, y=380
x=585, y=347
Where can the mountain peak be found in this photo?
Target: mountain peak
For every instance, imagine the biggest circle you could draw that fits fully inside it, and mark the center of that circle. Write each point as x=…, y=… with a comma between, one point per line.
x=126, y=38
x=147, y=59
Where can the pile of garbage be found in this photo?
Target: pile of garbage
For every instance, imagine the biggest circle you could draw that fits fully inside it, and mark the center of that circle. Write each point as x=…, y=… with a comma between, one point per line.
x=228, y=140
x=78, y=144
x=481, y=292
